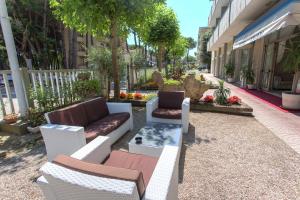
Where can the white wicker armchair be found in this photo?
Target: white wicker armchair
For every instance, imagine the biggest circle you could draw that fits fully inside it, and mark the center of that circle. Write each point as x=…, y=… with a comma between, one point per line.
x=60, y=183
x=153, y=104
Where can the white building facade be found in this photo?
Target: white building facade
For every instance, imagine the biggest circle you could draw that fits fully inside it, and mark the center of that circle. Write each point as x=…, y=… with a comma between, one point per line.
x=253, y=33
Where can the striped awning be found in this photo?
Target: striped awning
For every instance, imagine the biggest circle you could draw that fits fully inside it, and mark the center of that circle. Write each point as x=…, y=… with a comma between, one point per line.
x=285, y=13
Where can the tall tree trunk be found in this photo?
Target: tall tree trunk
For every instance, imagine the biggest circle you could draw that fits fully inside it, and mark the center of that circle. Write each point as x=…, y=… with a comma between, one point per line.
x=45, y=47
x=187, y=57
x=145, y=51
x=114, y=52
x=108, y=87
x=160, y=58
x=135, y=41
x=74, y=49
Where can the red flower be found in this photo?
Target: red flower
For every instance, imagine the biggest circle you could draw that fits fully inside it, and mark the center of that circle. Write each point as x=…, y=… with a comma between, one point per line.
x=209, y=99
x=138, y=96
x=234, y=100
x=123, y=95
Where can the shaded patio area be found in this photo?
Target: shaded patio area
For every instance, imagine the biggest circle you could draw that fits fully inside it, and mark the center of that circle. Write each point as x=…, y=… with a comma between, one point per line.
x=223, y=157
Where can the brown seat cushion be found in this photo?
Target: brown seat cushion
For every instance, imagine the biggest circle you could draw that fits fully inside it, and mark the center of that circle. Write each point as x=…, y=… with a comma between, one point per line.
x=96, y=109
x=167, y=113
x=171, y=100
x=74, y=115
x=102, y=171
x=106, y=125
x=142, y=163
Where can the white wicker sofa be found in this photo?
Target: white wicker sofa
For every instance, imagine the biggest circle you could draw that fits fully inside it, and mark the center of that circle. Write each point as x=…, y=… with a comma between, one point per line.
x=169, y=108
x=71, y=128
x=62, y=180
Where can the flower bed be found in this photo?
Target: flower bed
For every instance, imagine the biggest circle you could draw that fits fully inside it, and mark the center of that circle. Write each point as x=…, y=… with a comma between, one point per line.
x=234, y=106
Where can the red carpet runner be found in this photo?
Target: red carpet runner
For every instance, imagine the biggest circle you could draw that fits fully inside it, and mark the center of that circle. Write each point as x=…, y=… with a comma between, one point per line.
x=269, y=99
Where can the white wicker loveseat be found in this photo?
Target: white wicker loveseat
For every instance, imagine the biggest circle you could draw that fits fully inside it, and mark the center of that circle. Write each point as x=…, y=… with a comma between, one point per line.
x=61, y=180
x=71, y=128
x=169, y=108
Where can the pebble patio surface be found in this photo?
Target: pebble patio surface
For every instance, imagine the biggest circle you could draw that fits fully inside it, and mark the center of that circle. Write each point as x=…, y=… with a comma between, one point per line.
x=223, y=157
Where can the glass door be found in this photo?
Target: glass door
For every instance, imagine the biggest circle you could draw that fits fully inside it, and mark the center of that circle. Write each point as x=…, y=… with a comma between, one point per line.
x=267, y=67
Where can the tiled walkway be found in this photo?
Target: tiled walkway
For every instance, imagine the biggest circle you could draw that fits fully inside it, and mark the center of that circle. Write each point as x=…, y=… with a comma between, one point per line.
x=286, y=126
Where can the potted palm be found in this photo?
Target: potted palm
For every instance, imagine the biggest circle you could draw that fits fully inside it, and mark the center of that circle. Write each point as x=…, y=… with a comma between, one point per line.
x=248, y=76
x=291, y=63
x=229, y=71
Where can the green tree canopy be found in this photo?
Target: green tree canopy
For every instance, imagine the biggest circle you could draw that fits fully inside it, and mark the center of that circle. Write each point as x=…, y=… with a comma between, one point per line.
x=106, y=18
x=163, y=30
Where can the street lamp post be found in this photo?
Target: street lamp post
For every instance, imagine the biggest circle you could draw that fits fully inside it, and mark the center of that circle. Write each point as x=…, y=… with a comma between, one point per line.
x=12, y=57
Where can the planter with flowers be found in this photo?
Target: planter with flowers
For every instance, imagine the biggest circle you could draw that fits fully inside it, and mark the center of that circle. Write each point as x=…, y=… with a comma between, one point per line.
x=136, y=99
x=222, y=102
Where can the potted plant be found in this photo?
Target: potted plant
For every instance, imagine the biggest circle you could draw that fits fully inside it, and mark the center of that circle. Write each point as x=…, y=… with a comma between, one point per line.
x=221, y=94
x=35, y=118
x=248, y=76
x=291, y=63
x=229, y=71
x=11, y=118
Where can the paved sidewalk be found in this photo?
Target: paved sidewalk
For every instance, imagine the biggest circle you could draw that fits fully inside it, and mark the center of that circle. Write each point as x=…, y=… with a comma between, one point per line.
x=286, y=126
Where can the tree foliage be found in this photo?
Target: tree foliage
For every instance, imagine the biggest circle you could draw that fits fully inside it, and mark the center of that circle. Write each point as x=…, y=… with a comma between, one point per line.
x=106, y=18
x=163, y=30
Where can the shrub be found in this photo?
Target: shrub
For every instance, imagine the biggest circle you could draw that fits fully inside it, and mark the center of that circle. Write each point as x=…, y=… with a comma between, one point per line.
x=234, y=100
x=84, y=76
x=171, y=82
x=87, y=88
x=221, y=94
x=209, y=99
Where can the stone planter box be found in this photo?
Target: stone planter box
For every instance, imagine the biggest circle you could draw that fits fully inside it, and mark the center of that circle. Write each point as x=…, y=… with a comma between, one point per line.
x=18, y=128
x=242, y=109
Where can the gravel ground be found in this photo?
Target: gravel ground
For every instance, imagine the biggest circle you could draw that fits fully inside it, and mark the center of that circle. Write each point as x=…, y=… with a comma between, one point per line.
x=223, y=157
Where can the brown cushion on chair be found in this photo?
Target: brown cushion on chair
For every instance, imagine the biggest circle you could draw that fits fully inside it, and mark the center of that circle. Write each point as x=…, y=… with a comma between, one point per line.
x=74, y=115
x=106, y=125
x=102, y=171
x=96, y=109
x=167, y=113
x=142, y=163
x=171, y=100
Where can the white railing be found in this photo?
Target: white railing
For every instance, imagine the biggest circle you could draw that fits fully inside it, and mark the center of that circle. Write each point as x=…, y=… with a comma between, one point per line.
x=34, y=79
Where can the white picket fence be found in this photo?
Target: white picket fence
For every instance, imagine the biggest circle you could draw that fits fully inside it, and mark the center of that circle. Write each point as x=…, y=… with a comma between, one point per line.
x=54, y=79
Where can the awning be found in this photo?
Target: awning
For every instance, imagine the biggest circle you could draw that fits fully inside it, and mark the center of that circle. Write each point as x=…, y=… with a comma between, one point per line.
x=286, y=13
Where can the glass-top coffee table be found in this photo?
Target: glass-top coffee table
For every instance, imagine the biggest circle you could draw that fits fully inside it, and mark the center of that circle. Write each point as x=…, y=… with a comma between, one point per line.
x=154, y=137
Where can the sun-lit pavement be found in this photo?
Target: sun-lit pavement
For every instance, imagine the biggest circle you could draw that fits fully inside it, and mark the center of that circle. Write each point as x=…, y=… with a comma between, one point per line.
x=284, y=125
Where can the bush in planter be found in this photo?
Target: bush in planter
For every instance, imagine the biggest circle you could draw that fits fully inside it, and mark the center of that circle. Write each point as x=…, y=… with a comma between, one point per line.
x=222, y=94
x=291, y=63
x=35, y=117
x=138, y=96
x=123, y=95
x=248, y=74
x=229, y=70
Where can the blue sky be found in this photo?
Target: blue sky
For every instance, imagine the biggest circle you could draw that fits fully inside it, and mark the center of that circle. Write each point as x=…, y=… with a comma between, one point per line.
x=191, y=15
